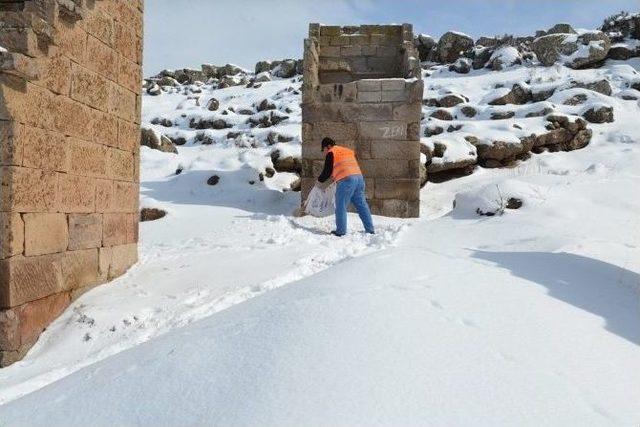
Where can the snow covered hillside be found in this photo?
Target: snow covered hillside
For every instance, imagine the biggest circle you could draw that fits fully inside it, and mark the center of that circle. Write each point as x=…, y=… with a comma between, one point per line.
x=513, y=300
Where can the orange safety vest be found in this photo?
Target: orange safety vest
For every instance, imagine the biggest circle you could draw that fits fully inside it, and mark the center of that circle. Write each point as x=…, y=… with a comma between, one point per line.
x=344, y=163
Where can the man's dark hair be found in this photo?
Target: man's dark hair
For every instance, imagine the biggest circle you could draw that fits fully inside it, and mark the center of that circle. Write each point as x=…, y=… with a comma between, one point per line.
x=328, y=142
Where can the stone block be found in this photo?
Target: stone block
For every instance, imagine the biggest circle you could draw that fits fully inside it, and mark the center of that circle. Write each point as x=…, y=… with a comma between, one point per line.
x=120, y=164
x=32, y=190
x=87, y=158
x=383, y=130
x=396, y=208
x=329, y=30
x=29, y=278
x=363, y=149
x=347, y=51
x=123, y=103
x=330, y=51
x=89, y=88
x=104, y=195
x=393, y=149
x=102, y=59
x=374, y=97
x=122, y=258
x=342, y=133
x=101, y=26
x=402, y=189
x=44, y=150
x=407, y=112
x=125, y=196
x=56, y=73
x=386, y=51
x=45, y=233
x=378, y=168
x=71, y=118
x=413, y=131
x=85, y=231
x=104, y=128
x=11, y=143
x=128, y=136
x=132, y=227
x=393, y=84
x=307, y=184
x=127, y=43
x=370, y=85
x=73, y=42
x=114, y=229
x=79, y=268
x=11, y=234
x=76, y=193
x=130, y=75
x=394, y=96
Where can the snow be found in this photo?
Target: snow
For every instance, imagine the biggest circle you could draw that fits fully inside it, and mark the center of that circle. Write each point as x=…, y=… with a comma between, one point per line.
x=240, y=314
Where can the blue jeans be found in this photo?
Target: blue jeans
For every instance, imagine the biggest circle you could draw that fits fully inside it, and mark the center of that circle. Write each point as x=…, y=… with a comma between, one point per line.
x=351, y=189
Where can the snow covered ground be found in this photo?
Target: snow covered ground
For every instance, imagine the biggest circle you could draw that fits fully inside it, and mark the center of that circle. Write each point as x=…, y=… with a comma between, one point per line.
x=240, y=314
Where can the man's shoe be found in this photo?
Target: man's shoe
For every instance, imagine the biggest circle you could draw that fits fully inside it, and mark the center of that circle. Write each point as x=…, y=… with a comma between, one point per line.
x=335, y=233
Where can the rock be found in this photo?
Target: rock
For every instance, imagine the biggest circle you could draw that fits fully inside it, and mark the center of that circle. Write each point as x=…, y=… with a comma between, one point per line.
x=623, y=24
x=622, y=52
x=517, y=95
x=161, y=121
x=499, y=153
x=300, y=66
x=468, y=111
x=149, y=138
x=266, y=121
x=189, y=76
x=461, y=66
x=262, y=66
x=210, y=71
x=265, y=76
x=269, y=172
x=425, y=45
x=514, y=203
x=213, y=180
x=438, y=149
x=168, y=81
x=551, y=48
x=600, y=114
x=208, y=124
x=213, y=104
x=542, y=95
x=601, y=86
x=442, y=115
x=286, y=164
x=296, y=185
x=564, y=135
x=504, y=57
x=179, y=140
x=432, y=130
x=154, y=90
x=245, y=112
x=448, y=101
x=229, y=70
x=481, y=56
x=275, y=137
x=453, y=128
x=265, y=105
x=576, y=99
x=452, y=45
x=423, y=175
x=233, y=135
x=285, y=69
x=151, y=214
x=562, y=28
x=540, y=113
x=502, y=115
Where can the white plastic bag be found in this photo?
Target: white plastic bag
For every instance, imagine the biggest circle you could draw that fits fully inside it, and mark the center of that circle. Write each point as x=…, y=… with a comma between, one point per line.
x=321, y=203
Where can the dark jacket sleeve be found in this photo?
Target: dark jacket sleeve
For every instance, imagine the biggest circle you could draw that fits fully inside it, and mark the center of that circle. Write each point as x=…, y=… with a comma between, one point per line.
x=328, y=168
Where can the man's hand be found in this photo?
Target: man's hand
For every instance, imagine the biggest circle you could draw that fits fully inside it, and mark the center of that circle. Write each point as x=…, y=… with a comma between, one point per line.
x=324, y=185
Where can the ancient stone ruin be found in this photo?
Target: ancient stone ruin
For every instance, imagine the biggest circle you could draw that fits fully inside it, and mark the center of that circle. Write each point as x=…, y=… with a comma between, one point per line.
x=70, y=127
x=363, y=88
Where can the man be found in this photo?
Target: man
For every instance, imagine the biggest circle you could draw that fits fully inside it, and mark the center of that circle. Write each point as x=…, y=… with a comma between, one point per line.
x=340, y=164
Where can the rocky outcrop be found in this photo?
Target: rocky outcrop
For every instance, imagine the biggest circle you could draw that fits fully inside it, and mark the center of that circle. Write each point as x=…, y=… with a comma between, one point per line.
x=573, y=50
x=425, y=45
x=451, y=45
x=149, y=138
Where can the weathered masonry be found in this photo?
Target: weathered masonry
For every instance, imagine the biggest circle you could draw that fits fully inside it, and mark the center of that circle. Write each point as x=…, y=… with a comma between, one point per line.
x=363, y=88
x=70, y=128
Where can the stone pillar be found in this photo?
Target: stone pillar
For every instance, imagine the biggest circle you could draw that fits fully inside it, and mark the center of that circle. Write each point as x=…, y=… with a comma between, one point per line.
x=69, y=156
x=363, y=88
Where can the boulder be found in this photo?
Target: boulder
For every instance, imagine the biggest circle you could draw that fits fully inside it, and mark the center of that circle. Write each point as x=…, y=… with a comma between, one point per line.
x=262, y=77
x=502, y=115
x=519, y=94
x=451, y=100
x=229, y=70
x=577, y=99
x=623, y=25
x=575, y=51
x=540, y=113
x=500, y=153
x=210, y=123
x=452, y=45
x=461, y=66
x=599, y=114
x=154, y=90
x=442, y=115
x=622, y=52
x=262, y=66
x=468, y=111
x=189, y=76
x=601, y=86
x=213, y=104
x=481, y=56
x=151, y=214
x=561, y=28
x=564, y=134
x=432, y=131
x=425, y=45
x=162, y=121
x=285, y=164
x=265, y=105
x=210, y=71
x=285, y=69
x=213, y=180
x=167, y=81
x=504, y=57
x=149, y=138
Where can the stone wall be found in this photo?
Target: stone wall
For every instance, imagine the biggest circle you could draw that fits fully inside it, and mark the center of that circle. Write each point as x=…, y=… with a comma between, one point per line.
x=69, y=156
x=363, y=88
